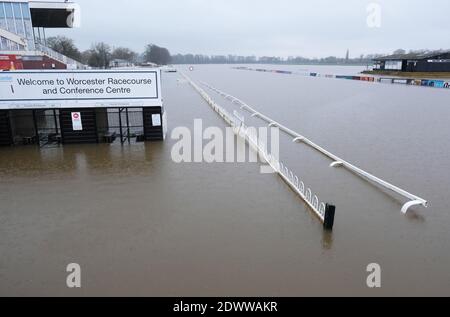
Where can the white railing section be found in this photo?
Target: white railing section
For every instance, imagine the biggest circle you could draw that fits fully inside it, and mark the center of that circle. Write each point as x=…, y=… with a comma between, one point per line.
x=250, y=135
x=283, y=171
x=337, y=162
x=59, y=57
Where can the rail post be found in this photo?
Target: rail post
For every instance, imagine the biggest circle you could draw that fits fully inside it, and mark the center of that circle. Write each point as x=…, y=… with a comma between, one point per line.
x=36, y=128
x=330, y=212
x=120, y=124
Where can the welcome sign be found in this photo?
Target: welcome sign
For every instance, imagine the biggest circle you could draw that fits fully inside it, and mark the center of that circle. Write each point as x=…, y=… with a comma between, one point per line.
x=66, y=89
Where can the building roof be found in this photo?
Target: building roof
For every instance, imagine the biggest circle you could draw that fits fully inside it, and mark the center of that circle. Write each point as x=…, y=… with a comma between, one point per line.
x=412, y=56
x=54, y=14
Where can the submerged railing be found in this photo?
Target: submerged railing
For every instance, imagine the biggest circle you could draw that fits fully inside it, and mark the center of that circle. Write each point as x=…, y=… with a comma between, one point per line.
x=337, y=161
x=325, y=212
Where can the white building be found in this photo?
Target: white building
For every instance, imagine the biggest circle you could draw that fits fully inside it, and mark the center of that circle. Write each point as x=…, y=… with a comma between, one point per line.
x=120, y=63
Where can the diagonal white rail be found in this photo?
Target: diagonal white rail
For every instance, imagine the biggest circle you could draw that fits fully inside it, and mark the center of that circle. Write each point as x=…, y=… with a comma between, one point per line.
x=283, y=171
x=337, y=161
x=251, y=137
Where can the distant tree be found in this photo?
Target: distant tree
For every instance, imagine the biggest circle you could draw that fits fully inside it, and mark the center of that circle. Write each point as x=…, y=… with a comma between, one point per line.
x=99, y=55
x=157, y=55
x=331, y=60
x=399, y=52
x=420, y=51
x=347, y=56
x=125, y=54
x=85, y=55
x=65, y=46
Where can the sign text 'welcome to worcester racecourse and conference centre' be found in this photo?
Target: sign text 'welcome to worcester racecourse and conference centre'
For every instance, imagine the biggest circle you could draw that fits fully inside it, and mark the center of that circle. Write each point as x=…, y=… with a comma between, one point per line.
x=50, y=89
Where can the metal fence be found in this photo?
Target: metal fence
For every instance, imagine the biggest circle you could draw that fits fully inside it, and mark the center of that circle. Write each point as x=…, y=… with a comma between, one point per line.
x=325, y=212
x=286, y=174
x=71, y=63
x=127, y=123
x=39, y=127
x=43, y=127
x=336, y=161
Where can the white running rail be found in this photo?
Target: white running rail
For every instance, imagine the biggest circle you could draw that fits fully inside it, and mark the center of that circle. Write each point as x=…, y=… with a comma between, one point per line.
x=337, y=161
x=251, y=137
x=283, y=171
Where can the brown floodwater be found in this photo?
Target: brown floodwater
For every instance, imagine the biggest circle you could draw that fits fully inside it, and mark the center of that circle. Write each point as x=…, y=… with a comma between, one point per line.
x=140, y=224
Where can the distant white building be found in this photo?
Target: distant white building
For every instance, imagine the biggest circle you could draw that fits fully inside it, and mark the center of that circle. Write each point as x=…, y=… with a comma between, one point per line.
x=148, y=64
x=117, y=63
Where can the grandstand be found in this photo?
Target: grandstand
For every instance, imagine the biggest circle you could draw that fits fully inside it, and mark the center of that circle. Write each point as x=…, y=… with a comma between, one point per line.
x=23, y=27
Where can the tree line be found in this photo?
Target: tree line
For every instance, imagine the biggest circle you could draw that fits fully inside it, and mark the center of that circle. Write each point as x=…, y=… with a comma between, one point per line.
x=292, y=60
x=101, y=54
x=234, y=59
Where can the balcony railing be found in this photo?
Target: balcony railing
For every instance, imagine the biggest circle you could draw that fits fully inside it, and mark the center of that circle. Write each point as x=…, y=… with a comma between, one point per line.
x=71, y=63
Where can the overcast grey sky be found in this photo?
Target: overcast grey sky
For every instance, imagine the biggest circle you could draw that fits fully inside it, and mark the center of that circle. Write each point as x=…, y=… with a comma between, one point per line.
x=316, y=28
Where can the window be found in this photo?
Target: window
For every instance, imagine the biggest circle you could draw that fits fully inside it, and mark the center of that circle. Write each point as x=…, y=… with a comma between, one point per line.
x=9, y=17
x=17, y=10
x=2, y=16
x=26, y=11
x=2, y=43
x=18, y=18
x=393, y=65
x=8, y=10
x=28, y=28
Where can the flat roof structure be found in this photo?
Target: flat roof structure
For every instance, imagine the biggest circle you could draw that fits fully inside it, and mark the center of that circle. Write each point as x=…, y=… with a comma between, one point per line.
x=51, y=14
x=413, y=56
x=426, y=62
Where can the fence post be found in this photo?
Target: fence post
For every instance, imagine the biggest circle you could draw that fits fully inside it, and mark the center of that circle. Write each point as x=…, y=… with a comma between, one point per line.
x=128, y=125
x=55, y=121
x=36, y=128
x=120, y=124
x=330, y=212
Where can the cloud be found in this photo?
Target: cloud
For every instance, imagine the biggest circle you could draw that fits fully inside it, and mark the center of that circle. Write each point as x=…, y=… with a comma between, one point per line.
x=261, y=27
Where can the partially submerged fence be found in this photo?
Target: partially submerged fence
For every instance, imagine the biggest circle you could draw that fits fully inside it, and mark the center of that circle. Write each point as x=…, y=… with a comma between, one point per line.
x=436, y=83
x=336, y=161
x=325, y=212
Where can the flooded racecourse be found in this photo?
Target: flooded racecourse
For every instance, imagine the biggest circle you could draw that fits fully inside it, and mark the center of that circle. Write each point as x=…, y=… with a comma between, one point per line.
x=140, y=224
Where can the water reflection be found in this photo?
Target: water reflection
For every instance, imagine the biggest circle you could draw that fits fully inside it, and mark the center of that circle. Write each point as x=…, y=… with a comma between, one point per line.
x=412, y=215
x=131, y=210
x=327, y=240
x=81, y=159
